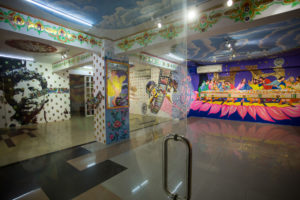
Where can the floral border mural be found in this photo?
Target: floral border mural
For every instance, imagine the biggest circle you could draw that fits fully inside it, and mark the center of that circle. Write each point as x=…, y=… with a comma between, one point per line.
x=73, y=61
x=241, y=11
x=152, y=60
x=117, y=125
x=21, y=22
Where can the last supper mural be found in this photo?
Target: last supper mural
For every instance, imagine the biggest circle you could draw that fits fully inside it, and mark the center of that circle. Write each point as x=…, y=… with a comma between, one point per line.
x=261, y=90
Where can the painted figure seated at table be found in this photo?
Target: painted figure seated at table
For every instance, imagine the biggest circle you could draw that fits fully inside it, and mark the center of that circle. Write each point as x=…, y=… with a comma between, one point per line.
x=278, y=84
x=243, y=85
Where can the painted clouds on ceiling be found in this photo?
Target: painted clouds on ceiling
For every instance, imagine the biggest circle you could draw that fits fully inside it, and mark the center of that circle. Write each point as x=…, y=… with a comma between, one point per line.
x=247, y=44
x=118, y=14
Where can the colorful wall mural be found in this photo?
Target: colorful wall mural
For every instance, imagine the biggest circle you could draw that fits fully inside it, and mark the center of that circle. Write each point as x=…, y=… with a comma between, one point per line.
x=261, y=91
x=117, y=101
x=78, y=60
x=31, y=93
x=160, y=92
x=117, y=80
x=117, y=125
x=14, y=21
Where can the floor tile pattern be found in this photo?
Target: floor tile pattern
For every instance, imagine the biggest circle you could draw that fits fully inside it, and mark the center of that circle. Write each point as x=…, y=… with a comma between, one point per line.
x=54, y=175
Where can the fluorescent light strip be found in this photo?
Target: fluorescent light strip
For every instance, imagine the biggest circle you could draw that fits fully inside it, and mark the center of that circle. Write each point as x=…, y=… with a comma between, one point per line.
x=16, y=57
x=60, y=12
x=175, y=57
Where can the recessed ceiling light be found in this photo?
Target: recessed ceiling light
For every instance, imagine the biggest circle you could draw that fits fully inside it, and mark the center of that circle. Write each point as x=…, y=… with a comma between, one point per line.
x=229, y=3
x=16, y=57
x=192, y=14
x=59, y=12
x=159, y=25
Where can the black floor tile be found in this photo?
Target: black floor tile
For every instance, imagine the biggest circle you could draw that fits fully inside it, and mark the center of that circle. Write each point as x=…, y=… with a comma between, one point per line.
x=54, y=175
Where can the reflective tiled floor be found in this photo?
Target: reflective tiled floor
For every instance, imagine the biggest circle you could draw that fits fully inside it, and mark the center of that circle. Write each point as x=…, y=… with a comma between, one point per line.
x=231, y=160
x=47, y=138
x=17, y=144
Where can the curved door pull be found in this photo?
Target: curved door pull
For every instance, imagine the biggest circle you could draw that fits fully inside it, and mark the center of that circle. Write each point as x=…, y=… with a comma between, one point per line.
x=182, y=139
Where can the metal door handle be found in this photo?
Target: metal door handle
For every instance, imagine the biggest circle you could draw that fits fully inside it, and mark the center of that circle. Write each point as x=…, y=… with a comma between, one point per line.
x=188, y=168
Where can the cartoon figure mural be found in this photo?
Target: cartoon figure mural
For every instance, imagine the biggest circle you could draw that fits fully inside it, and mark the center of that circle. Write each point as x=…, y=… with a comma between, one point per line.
x=158, y=92
x=172, y=94
x=257, y=95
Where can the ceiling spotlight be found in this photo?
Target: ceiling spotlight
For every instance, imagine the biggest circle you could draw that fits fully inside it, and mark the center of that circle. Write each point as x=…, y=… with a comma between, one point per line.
x=159, y=25
x=192, y=14
x=64, y=55
x=229, y=3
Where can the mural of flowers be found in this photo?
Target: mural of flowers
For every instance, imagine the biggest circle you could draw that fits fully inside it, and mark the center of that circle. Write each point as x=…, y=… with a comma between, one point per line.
x=117, y=124
x=22, y=22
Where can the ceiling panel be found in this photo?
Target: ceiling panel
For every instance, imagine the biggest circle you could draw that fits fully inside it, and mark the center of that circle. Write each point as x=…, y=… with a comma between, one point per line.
x=247, y=44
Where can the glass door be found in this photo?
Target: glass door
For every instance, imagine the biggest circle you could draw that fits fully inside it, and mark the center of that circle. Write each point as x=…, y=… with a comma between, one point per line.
x=88, y=95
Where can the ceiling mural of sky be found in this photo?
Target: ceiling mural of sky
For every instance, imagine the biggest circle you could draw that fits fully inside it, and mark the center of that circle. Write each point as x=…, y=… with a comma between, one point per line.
x=118, y=14
x=248, y=44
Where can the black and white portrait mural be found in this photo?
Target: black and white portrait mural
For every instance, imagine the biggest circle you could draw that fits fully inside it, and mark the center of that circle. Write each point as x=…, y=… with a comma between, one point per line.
x=31, y=93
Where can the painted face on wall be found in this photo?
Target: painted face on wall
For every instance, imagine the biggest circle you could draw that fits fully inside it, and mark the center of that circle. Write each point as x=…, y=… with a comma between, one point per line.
x=28, y=96
x=26, y=92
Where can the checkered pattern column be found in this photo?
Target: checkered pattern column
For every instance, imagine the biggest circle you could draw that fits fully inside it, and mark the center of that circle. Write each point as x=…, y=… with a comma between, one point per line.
x=99, y=85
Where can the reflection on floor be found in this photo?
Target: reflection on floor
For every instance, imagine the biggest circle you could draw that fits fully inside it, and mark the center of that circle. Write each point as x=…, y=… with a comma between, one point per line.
x=39, y=139
x=143, y=121
x=34, y=140
x=231, y=160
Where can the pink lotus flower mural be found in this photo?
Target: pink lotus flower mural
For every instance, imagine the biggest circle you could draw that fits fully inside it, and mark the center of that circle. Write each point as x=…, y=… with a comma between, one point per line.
x=266, y=113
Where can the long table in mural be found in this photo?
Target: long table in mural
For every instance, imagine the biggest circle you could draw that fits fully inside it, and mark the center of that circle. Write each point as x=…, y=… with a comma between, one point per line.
x=252, y=95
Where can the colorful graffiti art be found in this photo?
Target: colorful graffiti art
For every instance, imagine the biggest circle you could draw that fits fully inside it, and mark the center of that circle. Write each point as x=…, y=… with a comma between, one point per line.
x=158, y=92
x=117, y=126
x=165, y=96
x=117, y=84
x=267, y=95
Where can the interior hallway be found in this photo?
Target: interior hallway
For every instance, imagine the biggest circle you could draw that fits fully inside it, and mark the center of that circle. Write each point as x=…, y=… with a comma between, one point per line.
x=231, y=160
